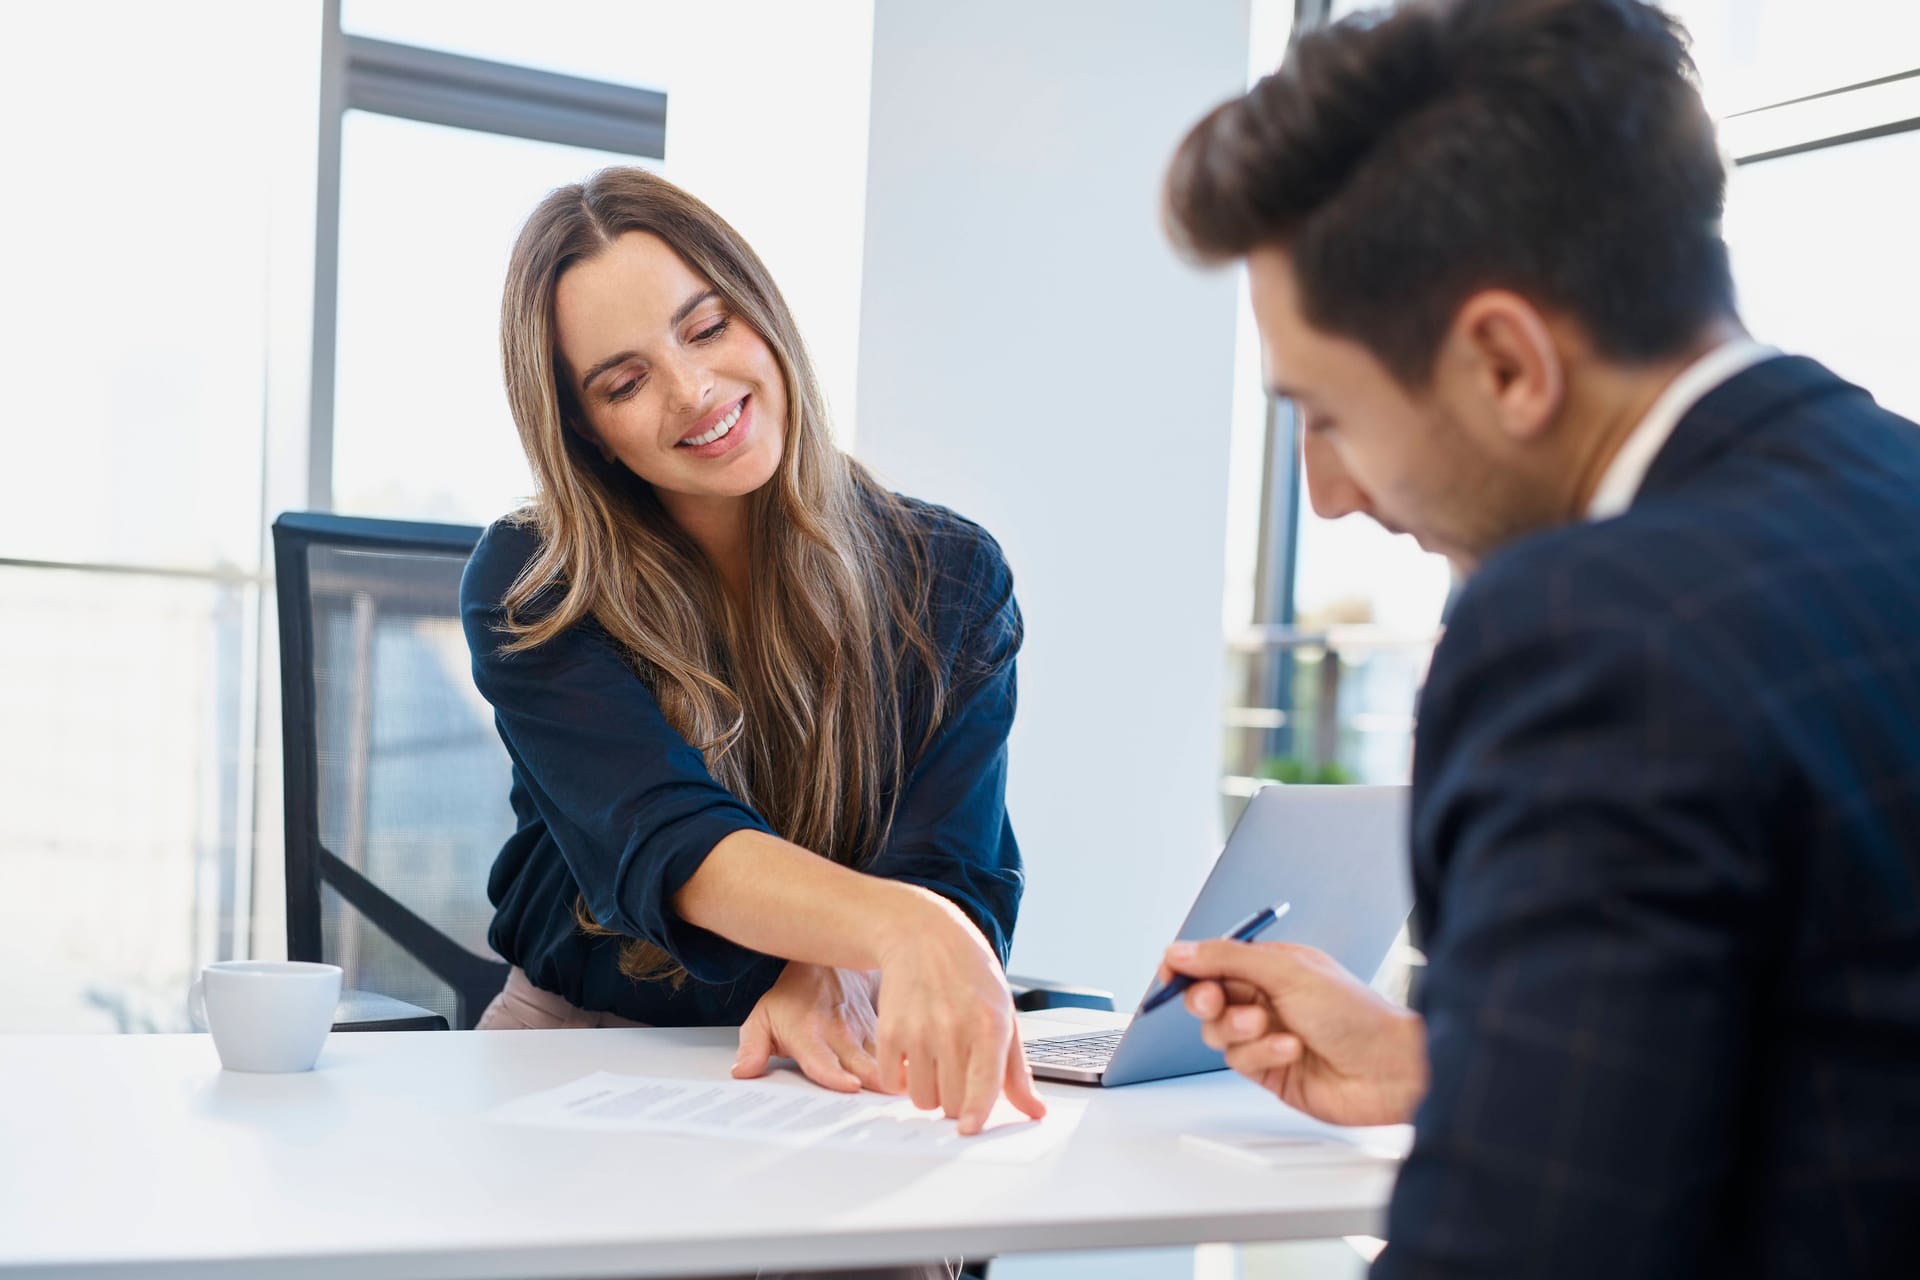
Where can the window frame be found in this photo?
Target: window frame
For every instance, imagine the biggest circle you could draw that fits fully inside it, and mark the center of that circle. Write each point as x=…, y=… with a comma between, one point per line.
x=432, y=86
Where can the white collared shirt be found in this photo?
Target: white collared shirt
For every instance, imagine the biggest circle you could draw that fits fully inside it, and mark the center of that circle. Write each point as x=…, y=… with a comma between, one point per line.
x=1624, y=475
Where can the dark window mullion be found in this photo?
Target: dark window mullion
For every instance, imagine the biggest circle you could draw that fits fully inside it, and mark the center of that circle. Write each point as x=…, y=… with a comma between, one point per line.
x=493, y=97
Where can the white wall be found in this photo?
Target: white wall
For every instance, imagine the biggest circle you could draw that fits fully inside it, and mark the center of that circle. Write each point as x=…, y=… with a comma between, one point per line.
x=767, y=122
x=1032, y=354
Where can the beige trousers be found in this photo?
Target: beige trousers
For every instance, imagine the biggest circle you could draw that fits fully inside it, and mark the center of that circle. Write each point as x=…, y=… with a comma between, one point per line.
x=521, y=1006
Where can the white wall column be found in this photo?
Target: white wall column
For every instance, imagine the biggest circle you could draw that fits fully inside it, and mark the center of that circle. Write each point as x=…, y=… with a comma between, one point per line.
x=1033, y=355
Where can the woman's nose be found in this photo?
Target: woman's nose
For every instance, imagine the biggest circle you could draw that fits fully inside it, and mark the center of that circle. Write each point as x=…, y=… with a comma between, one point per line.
x=687, y=383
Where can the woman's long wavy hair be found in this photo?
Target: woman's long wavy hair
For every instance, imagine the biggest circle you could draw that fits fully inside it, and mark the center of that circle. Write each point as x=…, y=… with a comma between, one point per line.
x=792, y=702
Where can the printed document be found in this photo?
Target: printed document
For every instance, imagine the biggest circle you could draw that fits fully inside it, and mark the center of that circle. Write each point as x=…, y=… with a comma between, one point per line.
x=790, y=1113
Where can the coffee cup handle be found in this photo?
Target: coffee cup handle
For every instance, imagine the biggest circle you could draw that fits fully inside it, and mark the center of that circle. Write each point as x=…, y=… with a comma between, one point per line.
x=197, y=1003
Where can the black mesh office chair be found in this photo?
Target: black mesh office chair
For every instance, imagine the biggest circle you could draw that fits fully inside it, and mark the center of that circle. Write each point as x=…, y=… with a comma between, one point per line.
x=396, y=781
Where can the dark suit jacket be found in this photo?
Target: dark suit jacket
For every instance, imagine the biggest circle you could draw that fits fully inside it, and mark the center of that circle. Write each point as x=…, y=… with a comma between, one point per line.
x=1667, y=863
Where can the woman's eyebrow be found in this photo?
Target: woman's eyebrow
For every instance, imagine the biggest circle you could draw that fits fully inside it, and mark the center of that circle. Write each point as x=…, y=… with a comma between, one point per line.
x=617, y=358
x=687, y=308
x=680, y=313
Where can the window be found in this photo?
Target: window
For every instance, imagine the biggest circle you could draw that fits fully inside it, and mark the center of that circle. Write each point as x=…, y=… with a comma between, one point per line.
x=427, y=216
x=132, y=335
x=133, y=351
x=174, y=384
x=1820, y=223
x=424, y=179
x=1847, y=297
x=127, y=765
x=1755, y=53
x=1330, y=622
x=610, y=41
x=149, y=355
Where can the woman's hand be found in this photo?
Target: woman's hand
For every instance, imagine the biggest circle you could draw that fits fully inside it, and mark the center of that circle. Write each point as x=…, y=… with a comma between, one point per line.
x=947, y=1035
x=822, y=1018
x=1292, y=1020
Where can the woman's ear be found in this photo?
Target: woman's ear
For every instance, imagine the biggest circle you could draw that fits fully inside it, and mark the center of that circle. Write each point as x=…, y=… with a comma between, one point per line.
x=571, y=423
x=1502, y=354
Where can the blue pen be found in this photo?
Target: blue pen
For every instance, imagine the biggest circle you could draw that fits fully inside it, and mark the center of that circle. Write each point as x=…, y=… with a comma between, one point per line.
x=1246, y=931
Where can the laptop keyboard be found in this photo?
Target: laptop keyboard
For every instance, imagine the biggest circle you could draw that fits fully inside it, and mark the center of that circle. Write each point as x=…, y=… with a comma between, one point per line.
x=1090, y=1052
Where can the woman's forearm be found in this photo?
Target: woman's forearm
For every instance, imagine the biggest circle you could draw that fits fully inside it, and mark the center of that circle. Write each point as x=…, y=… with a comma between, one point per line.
x=778, y=898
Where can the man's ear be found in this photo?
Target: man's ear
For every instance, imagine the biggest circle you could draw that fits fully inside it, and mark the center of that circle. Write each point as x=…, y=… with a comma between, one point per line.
x=1501, y=357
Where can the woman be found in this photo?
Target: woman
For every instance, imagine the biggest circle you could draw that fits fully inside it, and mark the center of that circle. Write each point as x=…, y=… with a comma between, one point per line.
x=757, y=706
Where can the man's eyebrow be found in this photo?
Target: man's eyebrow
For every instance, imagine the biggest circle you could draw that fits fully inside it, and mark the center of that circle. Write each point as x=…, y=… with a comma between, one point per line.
x=680, y=313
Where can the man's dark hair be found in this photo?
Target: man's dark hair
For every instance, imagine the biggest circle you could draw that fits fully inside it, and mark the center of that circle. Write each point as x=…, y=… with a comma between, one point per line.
x=1405, y=160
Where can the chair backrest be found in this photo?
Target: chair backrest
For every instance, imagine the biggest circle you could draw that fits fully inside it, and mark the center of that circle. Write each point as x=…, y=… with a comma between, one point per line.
x=396, y=781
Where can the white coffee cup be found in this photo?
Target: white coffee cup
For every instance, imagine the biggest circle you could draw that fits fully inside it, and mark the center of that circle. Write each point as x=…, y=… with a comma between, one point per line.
x=266, y=1015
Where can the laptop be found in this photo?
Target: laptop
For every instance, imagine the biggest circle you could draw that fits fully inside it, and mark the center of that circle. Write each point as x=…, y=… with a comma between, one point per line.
x=1338, y=854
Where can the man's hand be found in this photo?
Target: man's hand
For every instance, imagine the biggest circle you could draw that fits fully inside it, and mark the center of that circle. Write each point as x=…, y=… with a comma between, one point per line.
x=1300, y=1026
x=820, y=1017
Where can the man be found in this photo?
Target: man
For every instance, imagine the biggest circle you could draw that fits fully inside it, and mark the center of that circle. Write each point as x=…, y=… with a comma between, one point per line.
x=1666, y=831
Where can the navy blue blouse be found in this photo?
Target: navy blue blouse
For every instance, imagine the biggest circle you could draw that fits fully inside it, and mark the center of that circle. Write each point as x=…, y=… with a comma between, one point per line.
x=615, y=807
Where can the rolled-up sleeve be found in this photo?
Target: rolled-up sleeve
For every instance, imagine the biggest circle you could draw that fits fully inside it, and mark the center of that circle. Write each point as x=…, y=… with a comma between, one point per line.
x=951, y=833
x=627, y=799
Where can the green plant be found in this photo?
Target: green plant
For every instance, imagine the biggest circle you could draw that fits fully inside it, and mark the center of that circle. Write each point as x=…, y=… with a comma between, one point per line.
x=1292, y=769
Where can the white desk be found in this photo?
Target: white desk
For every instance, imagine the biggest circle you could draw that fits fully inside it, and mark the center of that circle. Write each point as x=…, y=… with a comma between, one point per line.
x=123, y=1154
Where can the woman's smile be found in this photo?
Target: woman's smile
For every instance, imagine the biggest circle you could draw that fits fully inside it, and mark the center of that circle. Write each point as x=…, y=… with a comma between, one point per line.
x=720, y=432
